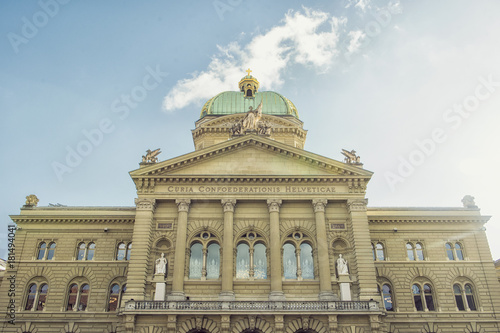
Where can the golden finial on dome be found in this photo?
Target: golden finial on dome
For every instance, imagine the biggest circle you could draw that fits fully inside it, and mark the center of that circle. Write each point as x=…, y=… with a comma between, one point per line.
x=248, y=71
x=249, y=85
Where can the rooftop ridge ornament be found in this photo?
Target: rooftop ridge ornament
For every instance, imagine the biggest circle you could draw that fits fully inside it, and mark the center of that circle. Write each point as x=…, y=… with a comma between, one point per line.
x=150, y=156
x=248, y=71
x=31, y=201
x=351, y=157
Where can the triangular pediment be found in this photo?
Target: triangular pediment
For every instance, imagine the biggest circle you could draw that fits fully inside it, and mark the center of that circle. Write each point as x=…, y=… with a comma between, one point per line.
x=250, y=155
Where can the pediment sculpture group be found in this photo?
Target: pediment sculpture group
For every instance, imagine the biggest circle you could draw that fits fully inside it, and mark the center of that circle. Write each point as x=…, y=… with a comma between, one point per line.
x=252, y=122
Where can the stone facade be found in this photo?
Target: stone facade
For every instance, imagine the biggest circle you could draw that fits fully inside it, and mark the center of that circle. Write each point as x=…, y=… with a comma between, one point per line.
x=252, y=227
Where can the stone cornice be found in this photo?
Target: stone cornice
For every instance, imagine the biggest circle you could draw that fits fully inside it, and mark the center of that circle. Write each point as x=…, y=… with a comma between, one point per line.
x=429, y=219
x=88, y=219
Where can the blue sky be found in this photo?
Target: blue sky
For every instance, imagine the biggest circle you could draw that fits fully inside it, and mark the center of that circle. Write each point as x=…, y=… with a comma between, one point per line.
x=413, y=87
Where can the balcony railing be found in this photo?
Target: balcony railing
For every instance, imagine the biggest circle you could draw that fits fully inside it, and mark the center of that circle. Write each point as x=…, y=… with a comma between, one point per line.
x=320, y=306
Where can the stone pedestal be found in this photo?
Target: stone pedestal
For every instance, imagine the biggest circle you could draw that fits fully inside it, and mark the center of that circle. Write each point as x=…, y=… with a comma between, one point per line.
x=345, y=287
x=159, y=280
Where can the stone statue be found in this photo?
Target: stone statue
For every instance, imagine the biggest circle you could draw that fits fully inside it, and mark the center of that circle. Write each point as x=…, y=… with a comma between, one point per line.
x=161, y=265
x=252, y=118
x=151, y=156
x=31, y=200
x=468, y=202
x=351, y=157
x=342, y=266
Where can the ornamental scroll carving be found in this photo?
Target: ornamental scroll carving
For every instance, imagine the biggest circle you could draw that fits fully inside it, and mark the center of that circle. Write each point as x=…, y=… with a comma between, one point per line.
x=145, y=204
x=228, y=205
x=183, y=204
x=357, y=205
x=319, y=205
x=273, y=205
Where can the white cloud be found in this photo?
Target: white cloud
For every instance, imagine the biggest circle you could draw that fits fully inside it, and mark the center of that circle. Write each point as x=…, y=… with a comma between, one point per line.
x=307, y=37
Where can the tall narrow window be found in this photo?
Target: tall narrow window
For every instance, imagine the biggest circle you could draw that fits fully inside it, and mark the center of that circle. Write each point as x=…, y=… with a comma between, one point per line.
x=114, y=295
x=373, y=252
x=387, y=296
x=78, y=297
x=417, y=298
x=91, y=251
x=81, y=251
x=469, y=295
x=306, y=261
x=409, y=251
x=289, y=261
x=120, y=254
x=380, y=252
x=420, y=251
x=459, y=252
x=72, y=297
x=429, y=301
x=52, y=251
x=42, y=296
x=242, y=261
x=41, y=250
x=30, y=301
x=458, y=297
x=195, y=261
x=129, y=251
x=213, y=261
x=449, y=252
x=260, y=261
x=84, y=297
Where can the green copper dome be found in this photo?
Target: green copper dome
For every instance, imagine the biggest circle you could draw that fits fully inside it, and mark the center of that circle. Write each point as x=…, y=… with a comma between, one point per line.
x=231, y=102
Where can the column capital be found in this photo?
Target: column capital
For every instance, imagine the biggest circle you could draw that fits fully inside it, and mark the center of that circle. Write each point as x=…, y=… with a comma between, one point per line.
x=274, y=205
x=319, y=205
x=183, y=204
x=228, y=204
x=145, y=204
x=357, y=205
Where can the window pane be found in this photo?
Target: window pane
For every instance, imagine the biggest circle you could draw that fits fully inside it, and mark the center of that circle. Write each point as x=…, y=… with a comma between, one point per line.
x=373, y=253
x=129, y=250
x=121, y=252
x=420, y=251
x=242, y=261
x=213, y=261
x=52, y=250
x=386, y=291
x=31, y=297
x=41, y=251
x=42, y=296
x=409, y=251
x=73, y=294
x=81, y=252
x=114, y=294
x=260, y=261
x=458, y=250
x=306, y=261
x=449, y=251
x=90, y=251
x=380, y=252
x=84, y=296
x=470, y=297
x=289, y=261
x=428, y=297
x=195, y=261
x=458, y=297
x=417, y=297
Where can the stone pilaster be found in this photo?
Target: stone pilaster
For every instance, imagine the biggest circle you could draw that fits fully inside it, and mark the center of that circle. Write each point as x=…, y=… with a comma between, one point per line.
x=275, y=240
x=227, y=292
x=180, y=250
x=367, y=277
x=141, y=239
x=325, y=284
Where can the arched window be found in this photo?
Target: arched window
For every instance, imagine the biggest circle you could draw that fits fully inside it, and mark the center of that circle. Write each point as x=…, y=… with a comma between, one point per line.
x=260, y=261
x=459, y=301
x=91, y=251
x=380, y=251
x=196, y=261
x=415, y=252
x=78, y=297
x=298, y=261
x=81, y=251
x=469, y=295
x=37, y=296
x=42, y=296
x=120, y=254
x=52, y=251
x=459, y=252
x=242, y=261
x=204, y=260
x=41, y=251
x=213, y=261
x=449, y=251
x=30, y=301
x=423, y=301
x=387, y=297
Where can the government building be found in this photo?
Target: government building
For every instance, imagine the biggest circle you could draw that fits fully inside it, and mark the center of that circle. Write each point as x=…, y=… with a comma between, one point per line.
x=250, y=233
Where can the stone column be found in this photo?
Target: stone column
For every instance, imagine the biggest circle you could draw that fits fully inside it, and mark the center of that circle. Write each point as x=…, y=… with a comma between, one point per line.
x=275, y=240
x=177, y=293
x=363, y=261
x=227, y=293
x=325, y=280
x=139, y=257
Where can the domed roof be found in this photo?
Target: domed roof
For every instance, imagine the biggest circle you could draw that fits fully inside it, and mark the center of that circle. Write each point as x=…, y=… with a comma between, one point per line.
x=231, y=102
